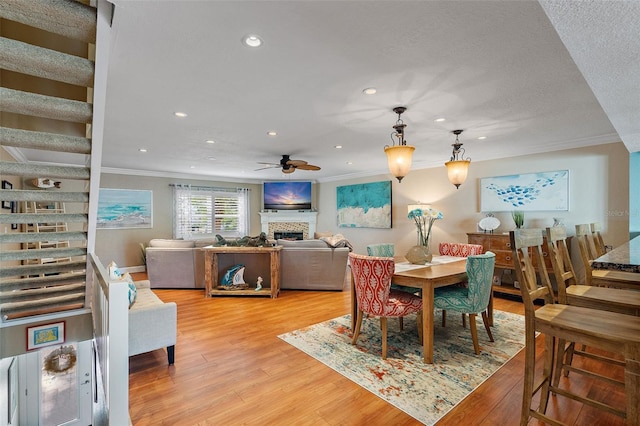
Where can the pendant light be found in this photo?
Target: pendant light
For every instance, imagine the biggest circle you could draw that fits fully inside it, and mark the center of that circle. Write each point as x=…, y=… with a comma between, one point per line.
x=457, y=167
x=399, y=156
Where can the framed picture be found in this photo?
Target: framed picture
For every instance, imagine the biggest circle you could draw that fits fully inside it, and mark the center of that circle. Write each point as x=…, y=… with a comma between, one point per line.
x=45, y=335
x=125, y=208
x=545, y=191
x=366, y=205
x=6, y=185
x=14, y=209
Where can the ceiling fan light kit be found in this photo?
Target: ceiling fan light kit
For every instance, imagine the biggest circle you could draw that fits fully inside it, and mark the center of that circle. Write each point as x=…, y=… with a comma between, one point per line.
x=458, y=166
x=399, y=156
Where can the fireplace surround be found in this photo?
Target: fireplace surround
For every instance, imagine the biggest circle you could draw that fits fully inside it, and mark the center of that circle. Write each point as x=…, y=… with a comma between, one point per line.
x=288, y=221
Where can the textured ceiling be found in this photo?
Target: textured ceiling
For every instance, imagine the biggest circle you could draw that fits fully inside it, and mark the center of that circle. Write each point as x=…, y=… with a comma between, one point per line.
x=493, y=68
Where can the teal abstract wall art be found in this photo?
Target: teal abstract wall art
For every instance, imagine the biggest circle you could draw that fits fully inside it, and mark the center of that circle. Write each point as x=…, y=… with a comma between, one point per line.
x=125, y=208
x=365, y=205
x=545, y=191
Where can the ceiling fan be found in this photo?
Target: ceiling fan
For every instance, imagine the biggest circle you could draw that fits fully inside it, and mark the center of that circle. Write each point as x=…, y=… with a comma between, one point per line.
x=289, y=166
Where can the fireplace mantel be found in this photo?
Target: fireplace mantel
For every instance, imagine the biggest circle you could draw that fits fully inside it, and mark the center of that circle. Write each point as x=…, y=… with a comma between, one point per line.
x=308, y=218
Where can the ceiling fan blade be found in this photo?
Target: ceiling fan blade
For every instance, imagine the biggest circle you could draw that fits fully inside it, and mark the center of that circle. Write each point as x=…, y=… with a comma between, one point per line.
x=269, y=166
x=308, y=167
x=296, y=163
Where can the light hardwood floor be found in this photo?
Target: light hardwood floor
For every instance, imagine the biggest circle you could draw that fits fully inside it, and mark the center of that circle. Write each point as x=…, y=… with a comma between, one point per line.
x=232, y=369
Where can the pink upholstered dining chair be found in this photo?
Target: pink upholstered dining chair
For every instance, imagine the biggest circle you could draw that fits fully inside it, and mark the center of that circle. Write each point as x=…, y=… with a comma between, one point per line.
x=372, y=281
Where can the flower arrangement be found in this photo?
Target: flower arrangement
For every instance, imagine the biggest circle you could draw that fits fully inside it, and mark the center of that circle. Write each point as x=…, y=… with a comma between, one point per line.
x=424, y=221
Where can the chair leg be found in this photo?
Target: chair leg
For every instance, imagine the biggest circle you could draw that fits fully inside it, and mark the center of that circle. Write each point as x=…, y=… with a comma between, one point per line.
x=400, y=320
x=444, y=318
x=356, y=332
x=474, y=333
x=529, y=372
x=547, y=369
x=464, y=320
x=419, y=324
x=383, y=326
x=487, y=324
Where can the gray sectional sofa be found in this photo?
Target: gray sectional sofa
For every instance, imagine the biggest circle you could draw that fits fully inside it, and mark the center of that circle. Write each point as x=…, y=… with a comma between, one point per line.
x=304, y=265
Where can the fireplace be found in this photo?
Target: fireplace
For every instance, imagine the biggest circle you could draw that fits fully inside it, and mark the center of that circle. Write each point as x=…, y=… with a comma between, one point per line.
x=288, y=222
x=280, y=235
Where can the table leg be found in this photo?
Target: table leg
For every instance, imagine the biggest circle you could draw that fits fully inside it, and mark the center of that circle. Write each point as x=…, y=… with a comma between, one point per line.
x=208, y=260
x=427, y=323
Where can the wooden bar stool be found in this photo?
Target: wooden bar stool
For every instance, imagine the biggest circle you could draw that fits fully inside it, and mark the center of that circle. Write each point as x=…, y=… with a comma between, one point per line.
x=572, y=293
x=610, y=331
x=601, y=277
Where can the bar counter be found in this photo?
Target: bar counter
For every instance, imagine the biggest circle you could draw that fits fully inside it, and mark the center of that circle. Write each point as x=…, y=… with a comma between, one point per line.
x=625, y=258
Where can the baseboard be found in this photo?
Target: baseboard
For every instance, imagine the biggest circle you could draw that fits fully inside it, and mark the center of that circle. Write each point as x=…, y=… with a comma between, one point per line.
x=132, y=269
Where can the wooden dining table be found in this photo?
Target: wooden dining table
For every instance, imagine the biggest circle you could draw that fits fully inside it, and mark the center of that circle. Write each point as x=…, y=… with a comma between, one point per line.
x=443, y=271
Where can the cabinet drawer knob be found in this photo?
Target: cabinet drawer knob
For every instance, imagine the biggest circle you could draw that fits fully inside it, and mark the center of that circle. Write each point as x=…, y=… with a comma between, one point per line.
x=508, y=258
x=508, y=245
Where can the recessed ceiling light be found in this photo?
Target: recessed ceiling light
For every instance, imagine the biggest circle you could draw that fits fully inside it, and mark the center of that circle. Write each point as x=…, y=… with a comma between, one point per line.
x=482, y=137
x=180, y=114
x=272, y=133
x=370, y=91
x=338, y=147
x=439, y=120
x=252, y=40
x=142, y=150
x=349, y=162
x=210, y=141
x=211, y=158
x=192, y=167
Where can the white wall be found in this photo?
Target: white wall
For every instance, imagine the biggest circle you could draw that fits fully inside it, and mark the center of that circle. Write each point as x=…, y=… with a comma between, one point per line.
x=599, y=192
x=599, y=188
x=123, y=245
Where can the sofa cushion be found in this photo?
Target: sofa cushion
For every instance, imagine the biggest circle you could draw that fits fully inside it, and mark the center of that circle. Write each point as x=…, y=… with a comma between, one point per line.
x=159, y=242
x=302, y=243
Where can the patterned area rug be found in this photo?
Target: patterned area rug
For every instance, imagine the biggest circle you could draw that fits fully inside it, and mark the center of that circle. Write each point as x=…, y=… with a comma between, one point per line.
x=425, y=392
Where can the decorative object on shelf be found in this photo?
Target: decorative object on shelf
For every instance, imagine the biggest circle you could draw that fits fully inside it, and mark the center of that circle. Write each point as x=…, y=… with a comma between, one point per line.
x=233, y=279
x=545, y=191
x=518, y=218
x=424, y=216
x=458, y=166
x=259, y=284
x=489, y=223
x=557, y=221
x=399, y=156
x=45, y=183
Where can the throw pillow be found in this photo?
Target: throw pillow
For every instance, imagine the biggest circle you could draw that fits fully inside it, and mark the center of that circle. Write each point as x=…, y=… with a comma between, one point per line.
x=133, y=291
x=318, y=235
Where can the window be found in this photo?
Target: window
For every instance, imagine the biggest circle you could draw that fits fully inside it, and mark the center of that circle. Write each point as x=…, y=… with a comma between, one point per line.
x=202, y=212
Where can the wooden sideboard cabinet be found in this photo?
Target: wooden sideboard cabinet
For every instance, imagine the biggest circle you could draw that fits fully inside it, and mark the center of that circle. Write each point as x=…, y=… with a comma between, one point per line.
x=500, y=245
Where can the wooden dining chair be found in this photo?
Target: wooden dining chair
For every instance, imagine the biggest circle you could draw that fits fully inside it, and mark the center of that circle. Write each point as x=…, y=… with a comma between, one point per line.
x=374, y=296
x=472, y=299
x=600, y=277
x=570, y=292
x=609, y=331
x=598, y=240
